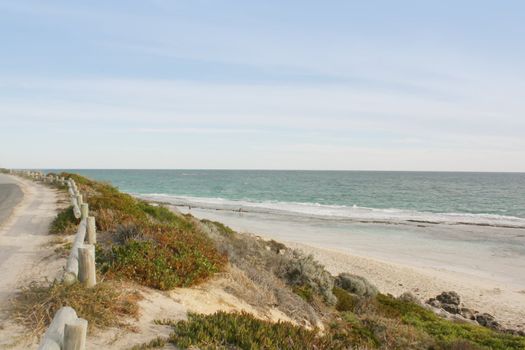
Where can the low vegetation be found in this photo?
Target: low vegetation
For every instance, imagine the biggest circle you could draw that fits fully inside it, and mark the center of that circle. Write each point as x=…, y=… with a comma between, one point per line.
x=357, y=316
x=146, y=243
x=383, y=323
x=155, y=247
x=444, y=331
x=103, y=306
x=64, y=223
x=243, y=331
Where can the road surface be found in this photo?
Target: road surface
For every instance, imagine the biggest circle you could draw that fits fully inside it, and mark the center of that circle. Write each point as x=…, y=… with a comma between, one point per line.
x=10, y=196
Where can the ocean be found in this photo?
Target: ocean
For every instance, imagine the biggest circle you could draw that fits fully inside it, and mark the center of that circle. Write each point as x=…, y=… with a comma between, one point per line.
x=495, y=199
x=467, y=223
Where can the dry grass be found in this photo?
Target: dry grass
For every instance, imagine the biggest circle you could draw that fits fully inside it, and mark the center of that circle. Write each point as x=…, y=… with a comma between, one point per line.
x=256, y=266
x=105, y=305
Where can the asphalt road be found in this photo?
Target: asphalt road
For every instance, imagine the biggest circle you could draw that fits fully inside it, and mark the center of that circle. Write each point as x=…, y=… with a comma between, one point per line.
x=10, y=196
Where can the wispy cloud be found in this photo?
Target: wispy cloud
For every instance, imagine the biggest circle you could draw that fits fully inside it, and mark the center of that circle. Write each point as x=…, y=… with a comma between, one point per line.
x=406, y=84
x=203, y=130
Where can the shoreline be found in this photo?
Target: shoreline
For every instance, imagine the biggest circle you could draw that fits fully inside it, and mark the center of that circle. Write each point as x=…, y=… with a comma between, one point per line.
x=504, y=300
x=366, y=216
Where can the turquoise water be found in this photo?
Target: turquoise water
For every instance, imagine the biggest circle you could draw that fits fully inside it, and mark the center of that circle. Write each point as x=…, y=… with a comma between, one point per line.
x=474, y=198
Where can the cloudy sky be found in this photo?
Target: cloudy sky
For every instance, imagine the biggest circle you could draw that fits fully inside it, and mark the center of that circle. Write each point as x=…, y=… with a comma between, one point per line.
x=381, y=85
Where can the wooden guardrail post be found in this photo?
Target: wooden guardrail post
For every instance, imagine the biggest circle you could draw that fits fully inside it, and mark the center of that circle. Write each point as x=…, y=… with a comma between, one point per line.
x=86, y=265
x=91, y=230
x=71, y=273
x=55, y=336
x=75, y=335
x=84, y=210
x=79, y=200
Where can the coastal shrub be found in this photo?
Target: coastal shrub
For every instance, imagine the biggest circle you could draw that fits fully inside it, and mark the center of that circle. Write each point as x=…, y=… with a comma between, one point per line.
x=147, y=243
x=158, y=266
x=302, y=271
x=304, y=291
x=64, y=223
x=223, y=229
x=243, y=331
x=127, y=232
x=258, y=279
x=445, y=332
x=105, y=305
x=166, y=258
x=345, y=300
x=356, y=285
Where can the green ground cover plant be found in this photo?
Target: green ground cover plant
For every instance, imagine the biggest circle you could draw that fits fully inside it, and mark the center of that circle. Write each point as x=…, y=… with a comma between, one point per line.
x=64, y=223
x=243, y=331
x=147, y=243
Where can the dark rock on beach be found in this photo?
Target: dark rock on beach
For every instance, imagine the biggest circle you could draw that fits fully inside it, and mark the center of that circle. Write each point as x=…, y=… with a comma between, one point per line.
x=451, y=303
x=449, y=298
x=487, y=320
x=448, y=301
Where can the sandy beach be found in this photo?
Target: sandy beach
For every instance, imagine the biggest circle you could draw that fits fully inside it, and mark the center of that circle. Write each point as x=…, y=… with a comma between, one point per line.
x=396, y=267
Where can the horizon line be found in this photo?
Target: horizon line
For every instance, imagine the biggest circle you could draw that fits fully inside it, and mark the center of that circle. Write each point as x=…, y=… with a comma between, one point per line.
x=266, y=169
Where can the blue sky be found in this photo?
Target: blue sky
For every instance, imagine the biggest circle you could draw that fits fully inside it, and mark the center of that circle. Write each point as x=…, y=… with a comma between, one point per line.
x=382, y=85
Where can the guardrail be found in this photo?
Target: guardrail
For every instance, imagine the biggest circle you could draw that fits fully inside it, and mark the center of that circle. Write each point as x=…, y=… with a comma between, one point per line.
x=81, y=261
x=67, y=331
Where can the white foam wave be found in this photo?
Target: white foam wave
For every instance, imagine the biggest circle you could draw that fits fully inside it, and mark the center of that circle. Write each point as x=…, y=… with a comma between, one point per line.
x=340, y=212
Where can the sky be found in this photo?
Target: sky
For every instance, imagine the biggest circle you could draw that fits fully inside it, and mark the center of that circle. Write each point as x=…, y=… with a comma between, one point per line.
x=341, y=85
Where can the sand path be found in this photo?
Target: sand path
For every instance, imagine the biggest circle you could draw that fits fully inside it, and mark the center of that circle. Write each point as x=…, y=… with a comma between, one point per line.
x=23, y=239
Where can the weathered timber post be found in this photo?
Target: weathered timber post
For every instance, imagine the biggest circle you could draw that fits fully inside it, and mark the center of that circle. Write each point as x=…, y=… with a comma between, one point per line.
x=80, y=200
x=86, y=265
x=84, y=210
x=75, y=335
x=91, y=230
x=54, y=336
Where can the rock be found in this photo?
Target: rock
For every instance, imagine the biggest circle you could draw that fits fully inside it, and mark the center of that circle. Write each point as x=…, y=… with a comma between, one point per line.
x=469, y=314
x=356, y=284
x=487, y=320
x=451, y=308
x=434, y=302
x=409, y=297
x=449, y=298
x=448, y=301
